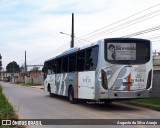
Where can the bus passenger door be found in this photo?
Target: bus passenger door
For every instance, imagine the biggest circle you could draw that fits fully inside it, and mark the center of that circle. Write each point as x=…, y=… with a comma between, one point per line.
x=86, y=85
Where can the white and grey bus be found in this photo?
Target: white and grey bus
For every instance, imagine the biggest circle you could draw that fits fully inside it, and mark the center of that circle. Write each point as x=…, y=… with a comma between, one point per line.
x=110, y=69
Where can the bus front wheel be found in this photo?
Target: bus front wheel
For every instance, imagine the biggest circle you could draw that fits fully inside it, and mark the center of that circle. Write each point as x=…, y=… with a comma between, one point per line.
x=71, y=96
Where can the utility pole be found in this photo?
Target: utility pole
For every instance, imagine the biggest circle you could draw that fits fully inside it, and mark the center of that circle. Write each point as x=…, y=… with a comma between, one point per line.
x=72, y=33
x=13, y=73
x=25, y=78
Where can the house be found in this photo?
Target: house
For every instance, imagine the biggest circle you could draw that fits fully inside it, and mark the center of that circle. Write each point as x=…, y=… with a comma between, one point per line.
x=9, y=77
x=34, y=77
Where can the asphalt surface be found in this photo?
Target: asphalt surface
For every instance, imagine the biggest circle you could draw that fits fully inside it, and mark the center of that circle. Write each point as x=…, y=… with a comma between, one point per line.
x=34, y=103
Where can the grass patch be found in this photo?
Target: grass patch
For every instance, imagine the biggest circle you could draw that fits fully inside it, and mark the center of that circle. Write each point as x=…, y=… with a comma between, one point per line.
x=152, y=103
x=29, y=84
x=19, y=83
x=6, y=110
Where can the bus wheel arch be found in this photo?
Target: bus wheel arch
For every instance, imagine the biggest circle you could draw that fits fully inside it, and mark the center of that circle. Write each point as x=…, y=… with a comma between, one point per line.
x=71, y=97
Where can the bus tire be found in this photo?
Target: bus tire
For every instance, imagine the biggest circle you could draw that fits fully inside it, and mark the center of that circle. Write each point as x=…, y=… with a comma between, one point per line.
x=108, y=102
x=49, y=90
x=71, y=98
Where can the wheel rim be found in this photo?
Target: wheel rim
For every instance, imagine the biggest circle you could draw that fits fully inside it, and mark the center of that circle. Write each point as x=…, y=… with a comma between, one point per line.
x=49, y=90
x=70, y=95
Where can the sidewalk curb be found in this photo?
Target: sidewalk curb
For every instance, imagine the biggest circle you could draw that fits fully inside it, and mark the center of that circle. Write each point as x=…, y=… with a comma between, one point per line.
x=38, y=87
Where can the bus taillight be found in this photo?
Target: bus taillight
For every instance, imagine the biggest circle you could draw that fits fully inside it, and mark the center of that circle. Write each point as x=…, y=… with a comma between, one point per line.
x=104, y=79
x=149, y=79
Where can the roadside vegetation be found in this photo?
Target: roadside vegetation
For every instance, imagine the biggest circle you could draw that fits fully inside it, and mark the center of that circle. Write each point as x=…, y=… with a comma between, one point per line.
x=153, y=103
x=19, y=83
x=6, y=110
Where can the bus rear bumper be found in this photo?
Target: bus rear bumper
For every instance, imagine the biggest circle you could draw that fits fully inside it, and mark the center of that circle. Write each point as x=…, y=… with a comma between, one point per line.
x=129, y=94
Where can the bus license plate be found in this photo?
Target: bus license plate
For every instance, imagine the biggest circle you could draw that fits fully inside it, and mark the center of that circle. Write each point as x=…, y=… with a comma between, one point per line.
x=127, y=84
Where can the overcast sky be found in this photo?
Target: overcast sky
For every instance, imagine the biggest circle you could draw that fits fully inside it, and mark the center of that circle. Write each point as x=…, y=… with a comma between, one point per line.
x=35, y=25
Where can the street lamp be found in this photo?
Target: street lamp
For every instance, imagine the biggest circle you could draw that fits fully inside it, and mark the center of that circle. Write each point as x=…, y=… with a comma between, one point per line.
x=77, y=38
x=65, y=33
x=72, y=39
x=72, y=32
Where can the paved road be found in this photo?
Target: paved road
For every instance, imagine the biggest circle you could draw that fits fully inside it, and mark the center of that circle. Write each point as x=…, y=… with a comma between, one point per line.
x=33, y=103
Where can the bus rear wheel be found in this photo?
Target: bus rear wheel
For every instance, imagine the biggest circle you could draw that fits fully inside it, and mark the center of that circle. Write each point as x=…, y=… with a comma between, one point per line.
x=71, y=98
x=49, y=90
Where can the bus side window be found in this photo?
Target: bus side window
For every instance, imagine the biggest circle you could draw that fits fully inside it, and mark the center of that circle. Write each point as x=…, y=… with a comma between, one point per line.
x=81, y=60
x=59, y=65
x=72, y=62
x=91, y=58
x=53, y=66
x=49, y=67
x=65, y=64
x=45, y=70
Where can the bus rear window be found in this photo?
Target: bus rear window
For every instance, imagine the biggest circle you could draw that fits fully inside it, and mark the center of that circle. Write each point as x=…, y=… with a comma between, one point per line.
x=127, y=51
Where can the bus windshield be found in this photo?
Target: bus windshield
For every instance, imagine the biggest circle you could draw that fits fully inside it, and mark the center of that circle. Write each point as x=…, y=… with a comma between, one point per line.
x=127, y=51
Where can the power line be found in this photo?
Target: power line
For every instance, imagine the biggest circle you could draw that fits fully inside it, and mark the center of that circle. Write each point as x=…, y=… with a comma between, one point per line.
x=156, y=41
x=77, y=43
x=126, y=24
x=121, y=20
x=51, y=52
x=63, y=47
x=130, y=35
x=112, y=29
x=155, y=37
x=152, y=36
x=143, y=32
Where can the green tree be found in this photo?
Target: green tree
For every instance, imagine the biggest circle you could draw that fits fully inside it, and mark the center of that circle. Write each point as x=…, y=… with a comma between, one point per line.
x=13, y=67
x=0, y=62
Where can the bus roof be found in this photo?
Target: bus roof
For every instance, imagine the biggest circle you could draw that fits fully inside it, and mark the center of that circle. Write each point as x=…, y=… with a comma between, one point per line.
x=64, y=53
x=72, y=50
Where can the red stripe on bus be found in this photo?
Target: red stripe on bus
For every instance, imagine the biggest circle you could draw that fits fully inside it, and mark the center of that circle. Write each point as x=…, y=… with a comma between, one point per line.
x=129, y=80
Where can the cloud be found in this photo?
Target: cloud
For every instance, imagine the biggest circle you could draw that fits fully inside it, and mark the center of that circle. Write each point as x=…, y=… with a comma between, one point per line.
x=34, y=25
